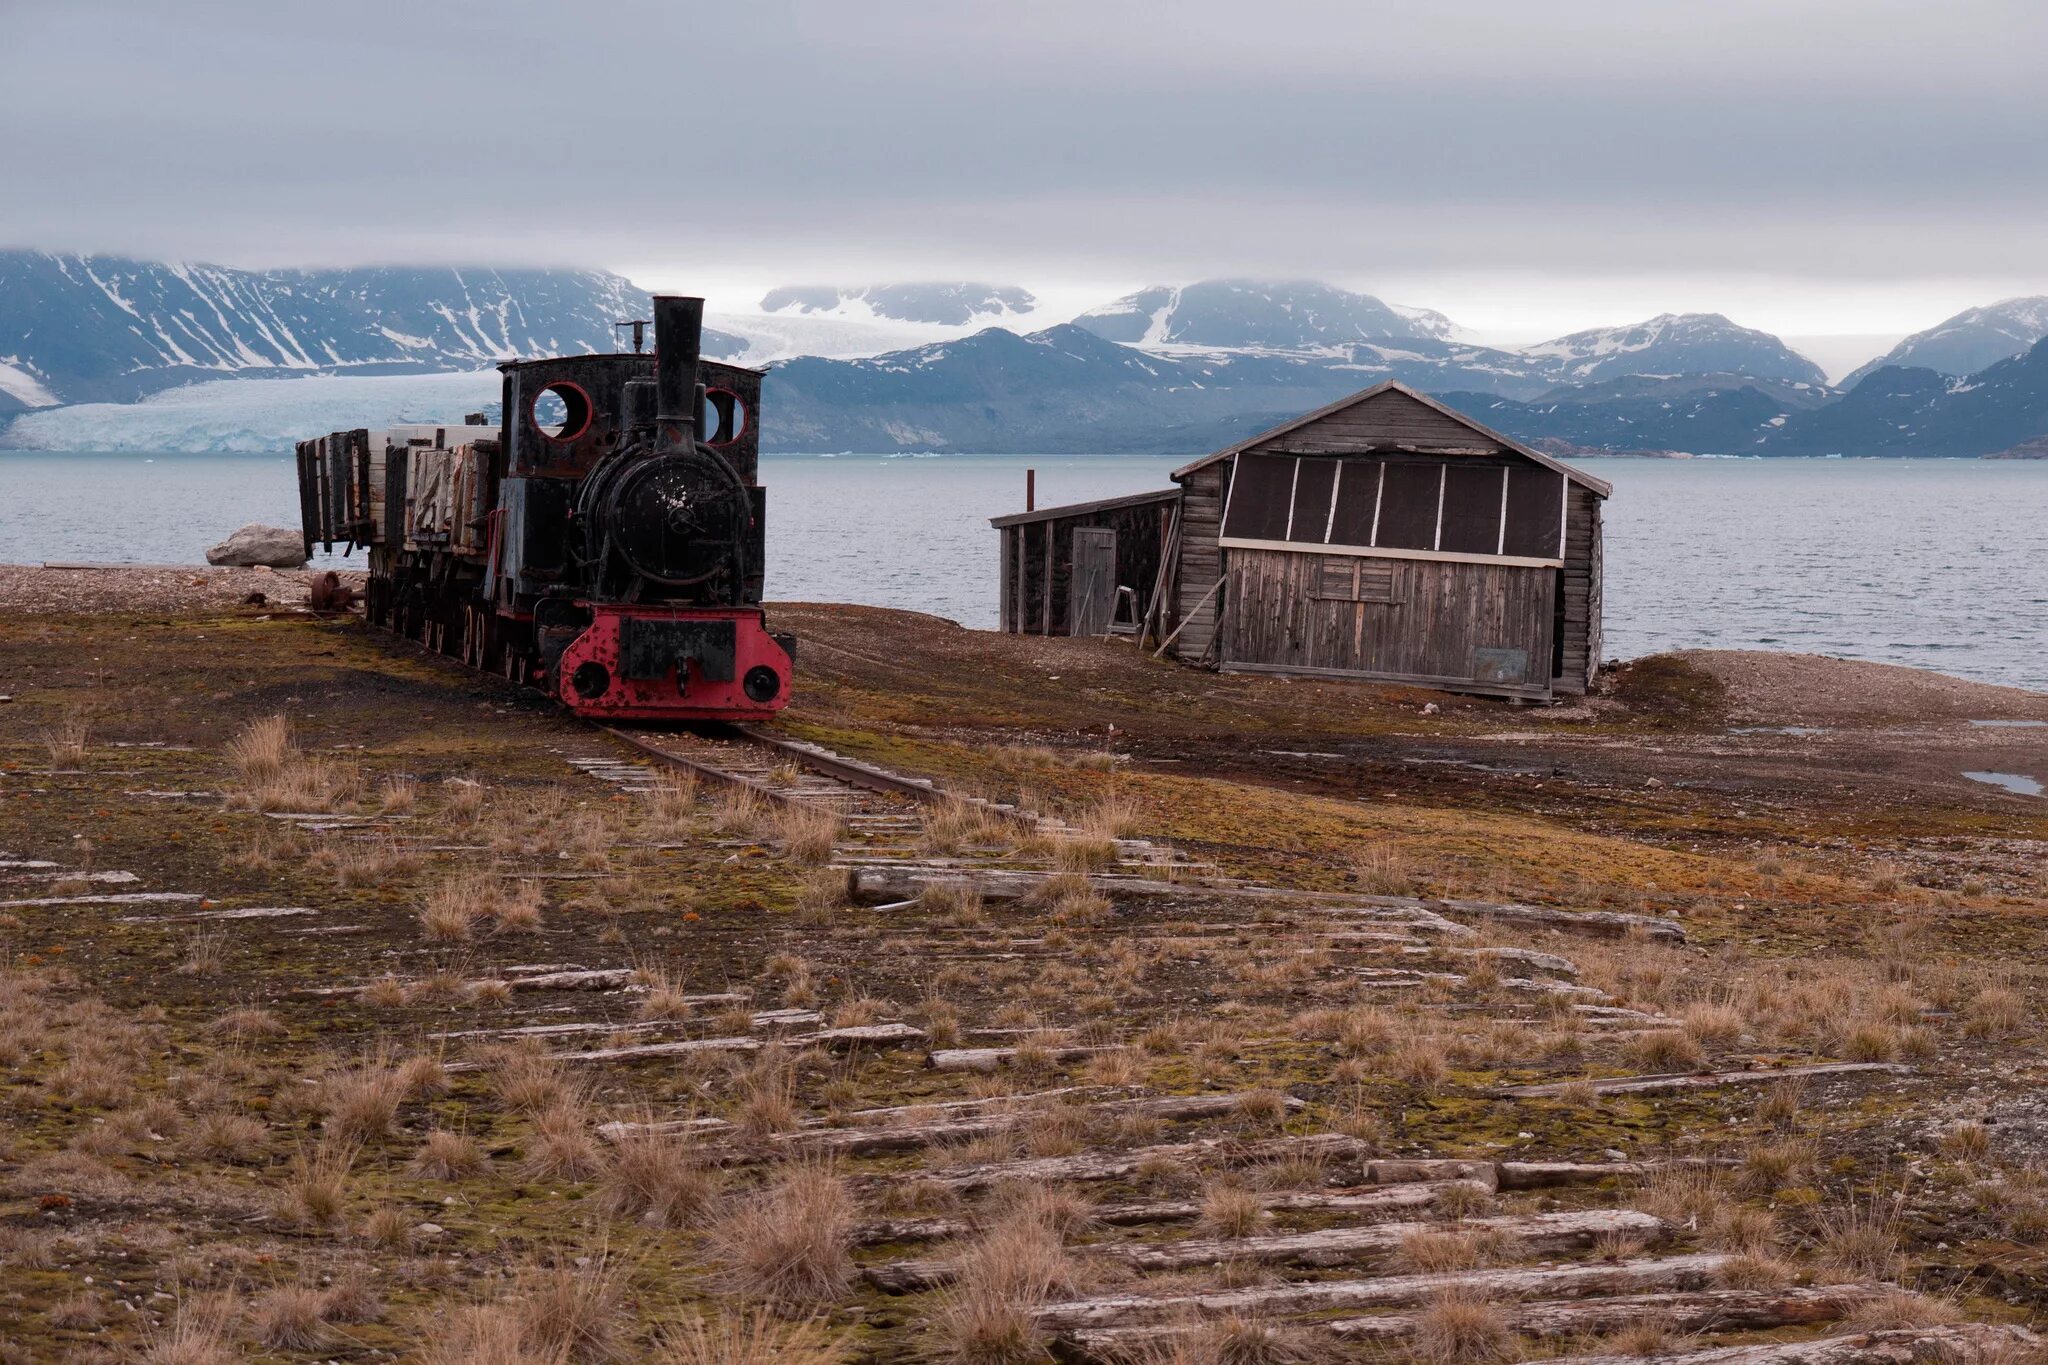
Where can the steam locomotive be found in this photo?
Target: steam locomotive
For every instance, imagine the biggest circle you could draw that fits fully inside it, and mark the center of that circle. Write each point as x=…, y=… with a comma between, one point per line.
x=604, y=544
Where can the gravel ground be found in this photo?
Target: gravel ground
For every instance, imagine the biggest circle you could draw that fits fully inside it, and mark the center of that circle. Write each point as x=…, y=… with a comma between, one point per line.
x=29, y=589
x=1782, y=688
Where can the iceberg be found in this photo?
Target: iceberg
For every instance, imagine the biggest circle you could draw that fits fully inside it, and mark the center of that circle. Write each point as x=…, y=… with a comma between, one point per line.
x=256, y=416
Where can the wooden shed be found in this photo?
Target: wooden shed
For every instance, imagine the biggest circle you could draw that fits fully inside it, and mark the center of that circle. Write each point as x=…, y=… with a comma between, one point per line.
x=1089, y=568
x=1385, y=536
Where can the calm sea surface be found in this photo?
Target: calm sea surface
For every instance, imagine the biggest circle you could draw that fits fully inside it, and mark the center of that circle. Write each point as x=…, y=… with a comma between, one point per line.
x=1940, y=564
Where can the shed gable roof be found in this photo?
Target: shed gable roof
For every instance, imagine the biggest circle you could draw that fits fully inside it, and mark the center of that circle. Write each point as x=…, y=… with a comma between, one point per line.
x=1430, y=426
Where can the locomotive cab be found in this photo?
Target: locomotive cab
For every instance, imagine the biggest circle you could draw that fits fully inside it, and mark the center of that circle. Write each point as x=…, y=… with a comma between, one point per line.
x=607, y=545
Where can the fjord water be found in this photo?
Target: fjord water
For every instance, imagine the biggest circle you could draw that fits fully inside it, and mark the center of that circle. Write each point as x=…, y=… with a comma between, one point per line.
x=1939, y=564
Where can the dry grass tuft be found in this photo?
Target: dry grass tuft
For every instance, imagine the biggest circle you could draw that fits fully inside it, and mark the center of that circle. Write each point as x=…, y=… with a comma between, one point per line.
x=1460, y=1328
x=1429, y=1251
x=1966, y=1140
x=789, y=1244
x=222, y=1136
x=958, y=901
x=458, y=907
x=1860, y=1240
x=66, y=742
x=985, y=1318
x=316, y=1192
x=361, y=1102
x=808, y=830
x=449, y=1155
x=666, y=999
x=572, y=1311
x=290, y=1317
x=1114, y=817
x=196, y=1334
x=1231, y=1210
x=485, y=1334
x=1896, y=1309
x=742, y=813
x=954, y=824
x=1382, y=869
x=759, y=1338
x=1667, y=1050
x=1080, y=851
x=562, y=1146
x=248, y=1025
x=656, y=1176
x=263, y=749
x=1995, y=1012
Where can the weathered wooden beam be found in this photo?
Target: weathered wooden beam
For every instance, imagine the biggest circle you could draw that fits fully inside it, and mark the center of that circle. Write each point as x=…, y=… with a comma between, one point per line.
x=996, y=1058
x=1538, y=1233
x=1710, y=1310
x=1659, y=1084
x=1400, y=1197
x=1392, y=1291
x=1599, y=923
x=1975, y=1343
x=1083, y=1166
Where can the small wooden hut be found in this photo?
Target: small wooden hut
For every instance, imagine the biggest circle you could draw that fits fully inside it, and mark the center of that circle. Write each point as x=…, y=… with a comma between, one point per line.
x=1384, y=536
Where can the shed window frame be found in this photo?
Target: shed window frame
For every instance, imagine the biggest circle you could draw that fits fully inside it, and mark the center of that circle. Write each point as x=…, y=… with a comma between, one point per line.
x=1374, y=550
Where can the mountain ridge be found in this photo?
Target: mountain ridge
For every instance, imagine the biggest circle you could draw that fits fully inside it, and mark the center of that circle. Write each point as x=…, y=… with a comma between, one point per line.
x=80, y=328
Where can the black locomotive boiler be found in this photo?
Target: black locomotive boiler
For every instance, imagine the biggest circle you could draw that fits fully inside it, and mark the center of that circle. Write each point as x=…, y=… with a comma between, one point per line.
x=604, y=544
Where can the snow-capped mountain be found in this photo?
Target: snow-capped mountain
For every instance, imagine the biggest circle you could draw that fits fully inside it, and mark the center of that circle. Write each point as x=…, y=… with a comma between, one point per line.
x=1257, y=315
x=849, y=321
x=83, y=328
x=1673, y=344
x=1969, y=341
x=949, y=303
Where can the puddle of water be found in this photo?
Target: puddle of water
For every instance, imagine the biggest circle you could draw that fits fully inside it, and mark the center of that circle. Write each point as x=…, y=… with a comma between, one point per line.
x=2012, y=724
x=2012, y=782
x=1778, y=730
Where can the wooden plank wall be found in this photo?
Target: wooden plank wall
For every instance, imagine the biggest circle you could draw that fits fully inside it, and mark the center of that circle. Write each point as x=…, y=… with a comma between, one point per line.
x=1201, y=558
x=1140, y=533
x=1581, y=591
x=1387, y=418
x=1277, y=615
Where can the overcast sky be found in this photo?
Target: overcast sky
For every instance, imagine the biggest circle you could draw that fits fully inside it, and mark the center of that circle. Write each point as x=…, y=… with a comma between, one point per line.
x=1529, y=168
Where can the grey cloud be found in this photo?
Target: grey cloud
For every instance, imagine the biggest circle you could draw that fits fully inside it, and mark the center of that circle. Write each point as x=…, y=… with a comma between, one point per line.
x=1038, y=138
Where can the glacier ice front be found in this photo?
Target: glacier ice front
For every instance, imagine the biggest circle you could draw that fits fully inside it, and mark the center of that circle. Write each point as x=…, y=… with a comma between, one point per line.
x=252, y=416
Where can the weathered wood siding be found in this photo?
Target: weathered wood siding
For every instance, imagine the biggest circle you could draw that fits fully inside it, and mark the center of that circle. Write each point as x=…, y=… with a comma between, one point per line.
x=1480, y=627
x=1384, y=419
x=1201, y=559
x=1038, y=563
x=1579, y=614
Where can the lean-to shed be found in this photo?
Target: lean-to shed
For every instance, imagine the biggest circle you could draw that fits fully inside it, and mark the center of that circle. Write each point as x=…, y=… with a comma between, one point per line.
x=1385, y=536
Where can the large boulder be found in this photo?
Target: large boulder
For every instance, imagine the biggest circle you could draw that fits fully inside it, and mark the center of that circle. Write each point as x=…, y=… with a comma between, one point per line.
x=274, y=546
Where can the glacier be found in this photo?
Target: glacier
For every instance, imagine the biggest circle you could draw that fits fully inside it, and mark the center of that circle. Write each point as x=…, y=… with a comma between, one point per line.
x=253, y=416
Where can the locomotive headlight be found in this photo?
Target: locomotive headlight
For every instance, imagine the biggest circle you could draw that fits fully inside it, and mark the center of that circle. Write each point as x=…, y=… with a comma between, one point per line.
x=761, y=684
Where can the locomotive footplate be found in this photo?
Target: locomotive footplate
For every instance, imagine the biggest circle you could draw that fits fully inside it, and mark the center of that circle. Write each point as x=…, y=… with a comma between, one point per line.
x=678, y=663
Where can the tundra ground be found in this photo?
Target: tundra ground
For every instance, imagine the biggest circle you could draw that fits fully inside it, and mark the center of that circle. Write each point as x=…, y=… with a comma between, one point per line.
x=354, y=1007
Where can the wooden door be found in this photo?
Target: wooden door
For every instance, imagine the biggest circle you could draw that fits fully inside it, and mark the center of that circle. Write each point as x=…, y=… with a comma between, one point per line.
x=1092, y=599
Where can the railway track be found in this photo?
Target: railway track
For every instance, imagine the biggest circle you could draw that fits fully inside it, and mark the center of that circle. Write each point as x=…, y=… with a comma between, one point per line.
x=883, y=814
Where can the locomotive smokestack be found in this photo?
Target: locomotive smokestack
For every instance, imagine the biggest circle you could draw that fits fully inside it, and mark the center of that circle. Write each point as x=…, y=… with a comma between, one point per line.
x=678, y=340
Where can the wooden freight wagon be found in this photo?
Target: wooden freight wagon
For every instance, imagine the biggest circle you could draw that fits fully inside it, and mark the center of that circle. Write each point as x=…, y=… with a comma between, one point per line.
x=1385, y=537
